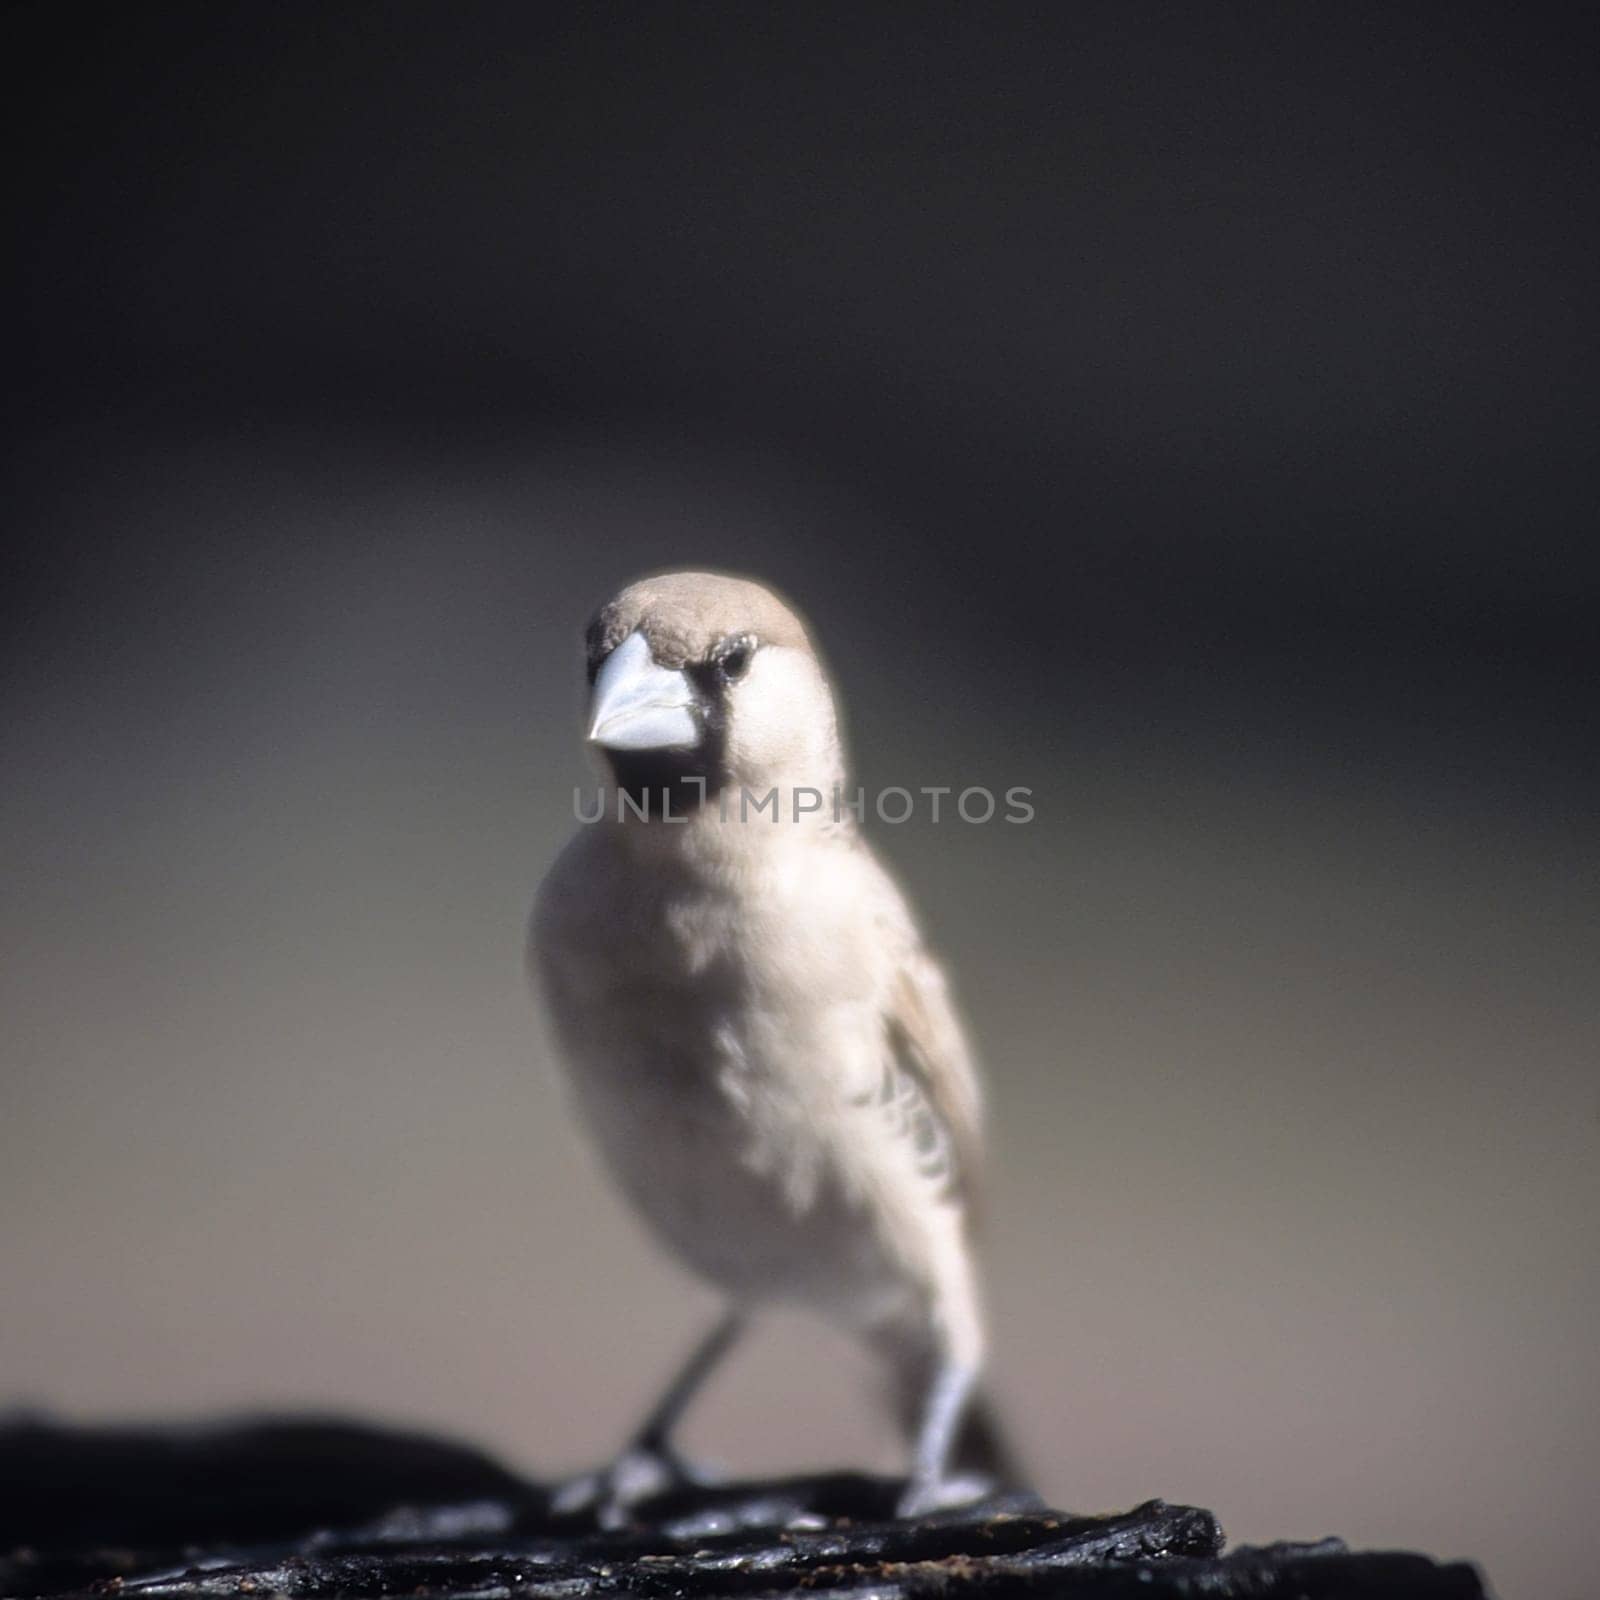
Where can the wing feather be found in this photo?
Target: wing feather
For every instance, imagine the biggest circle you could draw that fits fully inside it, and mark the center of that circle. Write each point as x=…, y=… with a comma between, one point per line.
x=930, y=1080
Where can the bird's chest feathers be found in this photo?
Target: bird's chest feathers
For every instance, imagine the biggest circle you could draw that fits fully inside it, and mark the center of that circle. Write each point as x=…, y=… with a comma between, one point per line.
x=758, y=932
x=733, y=1025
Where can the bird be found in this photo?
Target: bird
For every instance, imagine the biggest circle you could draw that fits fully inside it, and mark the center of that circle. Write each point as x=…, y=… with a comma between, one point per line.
x=753, y=1029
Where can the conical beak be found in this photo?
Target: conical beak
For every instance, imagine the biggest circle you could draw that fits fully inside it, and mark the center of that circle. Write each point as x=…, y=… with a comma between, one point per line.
x=637, y=705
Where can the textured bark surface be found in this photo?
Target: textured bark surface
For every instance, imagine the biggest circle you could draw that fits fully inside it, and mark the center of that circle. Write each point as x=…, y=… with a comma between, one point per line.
x=334, y=1510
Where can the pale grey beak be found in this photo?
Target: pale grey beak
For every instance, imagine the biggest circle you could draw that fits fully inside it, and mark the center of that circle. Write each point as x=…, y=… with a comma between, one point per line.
x=637, y=705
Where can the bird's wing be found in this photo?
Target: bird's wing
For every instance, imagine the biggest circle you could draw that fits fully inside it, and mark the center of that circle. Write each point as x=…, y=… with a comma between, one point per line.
x=931, y=1077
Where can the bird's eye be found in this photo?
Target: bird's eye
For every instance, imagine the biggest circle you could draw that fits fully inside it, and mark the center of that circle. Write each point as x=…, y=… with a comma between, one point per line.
x=733, y=656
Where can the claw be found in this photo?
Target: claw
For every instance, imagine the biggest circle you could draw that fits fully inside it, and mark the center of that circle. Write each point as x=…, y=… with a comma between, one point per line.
x=611, y=1495
x=922, y=1496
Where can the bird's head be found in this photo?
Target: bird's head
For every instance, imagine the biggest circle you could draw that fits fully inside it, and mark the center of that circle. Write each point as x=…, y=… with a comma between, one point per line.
x=698, y=678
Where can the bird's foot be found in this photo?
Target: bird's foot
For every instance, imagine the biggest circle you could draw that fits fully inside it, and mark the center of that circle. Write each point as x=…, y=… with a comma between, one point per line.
x=922, y=1495
x=640, y=1473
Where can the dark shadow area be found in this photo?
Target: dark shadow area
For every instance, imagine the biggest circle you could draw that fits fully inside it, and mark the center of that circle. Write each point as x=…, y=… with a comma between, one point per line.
x=332, y=1509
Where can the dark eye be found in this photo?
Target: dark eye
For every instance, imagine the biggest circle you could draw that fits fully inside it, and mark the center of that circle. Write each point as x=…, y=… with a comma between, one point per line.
x=733, y=656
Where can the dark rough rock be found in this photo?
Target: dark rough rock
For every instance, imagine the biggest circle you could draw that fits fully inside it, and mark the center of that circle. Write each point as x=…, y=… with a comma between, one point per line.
x=328, y=1510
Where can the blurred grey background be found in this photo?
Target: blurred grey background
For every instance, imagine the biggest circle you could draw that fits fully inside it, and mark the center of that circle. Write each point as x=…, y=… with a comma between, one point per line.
x=1187, y=414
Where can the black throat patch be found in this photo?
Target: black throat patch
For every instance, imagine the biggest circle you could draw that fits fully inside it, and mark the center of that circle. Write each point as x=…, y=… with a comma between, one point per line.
x=676, y=783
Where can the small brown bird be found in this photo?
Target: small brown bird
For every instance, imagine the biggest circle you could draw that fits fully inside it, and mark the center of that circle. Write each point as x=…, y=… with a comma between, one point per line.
x=755, y=1033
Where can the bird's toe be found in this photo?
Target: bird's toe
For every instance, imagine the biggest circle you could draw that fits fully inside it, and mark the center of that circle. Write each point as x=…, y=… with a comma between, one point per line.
x=924, y=1495
x=612, y=1494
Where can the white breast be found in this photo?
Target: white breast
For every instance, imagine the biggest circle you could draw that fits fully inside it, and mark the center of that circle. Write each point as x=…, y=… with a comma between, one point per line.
x=723, y=1041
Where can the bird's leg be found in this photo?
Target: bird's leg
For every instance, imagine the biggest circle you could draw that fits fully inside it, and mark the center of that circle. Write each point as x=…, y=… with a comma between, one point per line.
x=657, y=1429
x=931, y=1486
x=649, y=1464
